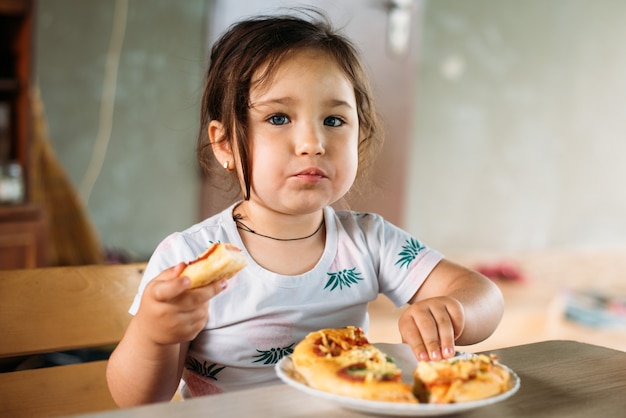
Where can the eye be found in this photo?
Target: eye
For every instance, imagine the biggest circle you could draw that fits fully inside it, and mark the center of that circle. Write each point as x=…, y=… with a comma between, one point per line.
x=278, y=119
x=333, y=121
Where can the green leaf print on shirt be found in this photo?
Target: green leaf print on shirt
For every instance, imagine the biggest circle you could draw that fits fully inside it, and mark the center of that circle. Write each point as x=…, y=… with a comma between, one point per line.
x=410, y=250
x=343, y=278
x=273, y=355
x=204, y=369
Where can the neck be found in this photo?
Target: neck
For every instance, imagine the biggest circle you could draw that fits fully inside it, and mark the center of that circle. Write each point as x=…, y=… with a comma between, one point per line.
x=283, y=228
x=242, y=226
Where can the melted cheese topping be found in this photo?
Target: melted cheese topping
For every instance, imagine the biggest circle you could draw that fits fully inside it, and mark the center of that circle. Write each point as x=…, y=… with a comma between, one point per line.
x=369, y=364
x=356, y=358
x=334, y=342
x=453, y=370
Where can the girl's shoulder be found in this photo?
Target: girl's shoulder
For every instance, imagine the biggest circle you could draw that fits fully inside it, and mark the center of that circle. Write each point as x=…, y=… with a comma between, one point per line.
x=356, y=216
x=370, y=226
x=187, y=244
x=359, y=220
x=220, y=224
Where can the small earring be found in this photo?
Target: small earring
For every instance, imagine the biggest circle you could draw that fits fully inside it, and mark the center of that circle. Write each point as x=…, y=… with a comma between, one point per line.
x=226, y=164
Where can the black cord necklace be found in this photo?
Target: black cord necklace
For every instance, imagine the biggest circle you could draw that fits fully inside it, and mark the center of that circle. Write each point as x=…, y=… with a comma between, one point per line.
x=240, y=225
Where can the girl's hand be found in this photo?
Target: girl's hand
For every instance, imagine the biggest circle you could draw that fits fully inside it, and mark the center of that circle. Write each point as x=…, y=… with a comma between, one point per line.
x=431, y=326
x=170, y=312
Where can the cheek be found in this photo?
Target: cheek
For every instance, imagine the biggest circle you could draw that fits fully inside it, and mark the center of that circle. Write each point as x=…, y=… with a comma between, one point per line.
x=264, y=163
x=265, y=155
x=350, y=164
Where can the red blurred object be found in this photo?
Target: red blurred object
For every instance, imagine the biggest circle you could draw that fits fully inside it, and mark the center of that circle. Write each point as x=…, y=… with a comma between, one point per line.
x=503, y=270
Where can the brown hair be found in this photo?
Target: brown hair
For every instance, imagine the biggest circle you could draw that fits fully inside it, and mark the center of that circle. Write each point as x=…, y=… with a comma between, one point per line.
x=264, y=41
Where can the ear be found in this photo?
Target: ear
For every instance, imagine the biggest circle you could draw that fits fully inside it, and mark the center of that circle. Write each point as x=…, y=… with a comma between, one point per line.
x=220, y=145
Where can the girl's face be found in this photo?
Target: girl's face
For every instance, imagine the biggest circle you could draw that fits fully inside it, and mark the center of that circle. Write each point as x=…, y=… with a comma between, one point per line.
x=303, y=133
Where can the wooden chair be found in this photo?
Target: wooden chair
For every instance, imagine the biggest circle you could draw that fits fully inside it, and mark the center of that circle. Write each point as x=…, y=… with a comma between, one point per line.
x=56, y=309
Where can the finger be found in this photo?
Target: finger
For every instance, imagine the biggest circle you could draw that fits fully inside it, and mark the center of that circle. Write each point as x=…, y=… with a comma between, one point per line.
x=178, y=269
x=199, y=296
x=195, y=321
x=445, y=330
x=214, y=288
x=456, y=316
x=411, y=335
x=219, y=286
x=170, y=284
x=430, y=328
x=195, y=304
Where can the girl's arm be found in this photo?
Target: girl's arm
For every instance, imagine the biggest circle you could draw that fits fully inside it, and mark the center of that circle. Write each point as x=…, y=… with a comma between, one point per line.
x=141, y=372
x=147, y=364
x=455, y=305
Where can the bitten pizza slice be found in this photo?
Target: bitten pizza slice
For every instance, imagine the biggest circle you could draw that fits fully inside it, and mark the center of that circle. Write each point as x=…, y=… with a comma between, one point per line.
x=343, y=362
x=460, y=380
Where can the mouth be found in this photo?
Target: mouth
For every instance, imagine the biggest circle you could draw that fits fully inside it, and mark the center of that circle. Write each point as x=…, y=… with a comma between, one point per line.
x=311, y=174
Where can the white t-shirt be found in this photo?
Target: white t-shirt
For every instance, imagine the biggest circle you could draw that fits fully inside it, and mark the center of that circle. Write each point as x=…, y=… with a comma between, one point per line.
x=262, y=315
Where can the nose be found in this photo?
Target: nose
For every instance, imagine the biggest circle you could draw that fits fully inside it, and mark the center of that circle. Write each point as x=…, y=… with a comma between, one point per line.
x=309, y=141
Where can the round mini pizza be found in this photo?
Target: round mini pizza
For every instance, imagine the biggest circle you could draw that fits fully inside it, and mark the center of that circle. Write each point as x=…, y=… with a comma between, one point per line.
x=342, y=361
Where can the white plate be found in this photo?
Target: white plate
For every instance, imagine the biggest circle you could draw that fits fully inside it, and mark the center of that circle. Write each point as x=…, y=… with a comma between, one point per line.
x=403, y=357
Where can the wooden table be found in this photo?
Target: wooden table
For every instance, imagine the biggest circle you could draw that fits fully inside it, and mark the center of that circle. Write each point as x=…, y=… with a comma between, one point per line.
x=558, y=379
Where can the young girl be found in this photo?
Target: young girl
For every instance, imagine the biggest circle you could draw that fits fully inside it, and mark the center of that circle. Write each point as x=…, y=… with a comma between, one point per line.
x=288, y=110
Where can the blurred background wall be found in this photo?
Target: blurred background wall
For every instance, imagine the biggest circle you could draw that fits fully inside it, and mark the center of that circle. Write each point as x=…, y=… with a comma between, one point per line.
x=520, y=125
x=517, y=136
x=148, y=183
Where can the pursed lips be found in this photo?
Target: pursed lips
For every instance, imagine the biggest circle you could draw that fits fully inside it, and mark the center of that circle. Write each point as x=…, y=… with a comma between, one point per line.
x=311, y=174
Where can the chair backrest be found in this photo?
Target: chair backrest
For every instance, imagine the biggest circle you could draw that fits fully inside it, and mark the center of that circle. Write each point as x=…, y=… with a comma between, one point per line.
x=56, y=309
